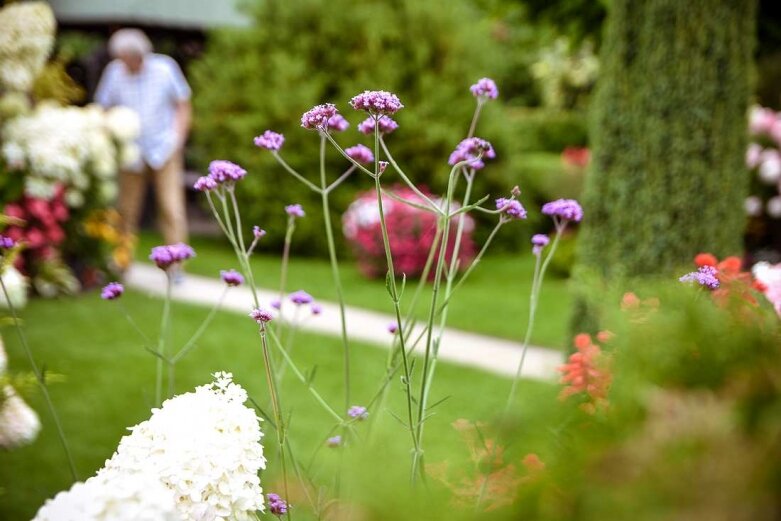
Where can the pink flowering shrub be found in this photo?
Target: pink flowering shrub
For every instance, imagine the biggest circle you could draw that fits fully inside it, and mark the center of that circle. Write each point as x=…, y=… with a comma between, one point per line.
x=763, y=159
x=411, y=233
x=42, y=232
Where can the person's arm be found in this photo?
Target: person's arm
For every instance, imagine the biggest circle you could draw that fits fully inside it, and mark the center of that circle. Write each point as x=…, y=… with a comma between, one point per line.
x=182, y=120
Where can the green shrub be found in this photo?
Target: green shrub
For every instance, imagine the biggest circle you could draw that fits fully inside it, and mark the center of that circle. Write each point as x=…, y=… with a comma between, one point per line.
x=303, y=53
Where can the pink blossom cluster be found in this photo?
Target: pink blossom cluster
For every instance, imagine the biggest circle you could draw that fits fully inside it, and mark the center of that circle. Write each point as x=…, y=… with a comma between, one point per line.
x=411, y=233
x=764, y=157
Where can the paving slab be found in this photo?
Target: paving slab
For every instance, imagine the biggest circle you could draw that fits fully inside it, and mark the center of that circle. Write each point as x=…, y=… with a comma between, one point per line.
x=495, y=355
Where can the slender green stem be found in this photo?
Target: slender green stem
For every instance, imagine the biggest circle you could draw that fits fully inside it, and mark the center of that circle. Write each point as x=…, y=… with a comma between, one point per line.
x=406, y=179
x=187, y=347
x=346, y=156
x=161, y=341
x=475, y=117
x=292, y=172
x=291, y=226
x=340, y=179
x=539, y=275
x=394, y=291
x=41, y=382
x=329, y=235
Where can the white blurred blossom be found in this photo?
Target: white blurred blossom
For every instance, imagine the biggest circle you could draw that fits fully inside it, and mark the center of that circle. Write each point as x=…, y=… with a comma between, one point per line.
x=16, y=286
x=26, y=38
x=770, y=169
x=773, y=207
x=753, y=206
x=64, y=146
x=112, y=496
x=123, y=123
x=19, y=424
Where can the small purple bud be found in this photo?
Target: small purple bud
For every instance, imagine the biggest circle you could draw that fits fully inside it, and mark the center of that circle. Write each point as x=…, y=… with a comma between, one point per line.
x=295, y=210
x=358, y=412
x=258, y=232
x=112, y=290
x=232, y=277
x=334, y=441
x=316, y=308
x=261, y=316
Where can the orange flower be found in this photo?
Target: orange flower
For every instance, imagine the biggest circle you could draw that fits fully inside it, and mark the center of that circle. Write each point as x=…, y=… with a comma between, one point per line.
x=586, y=373
x=705, y=259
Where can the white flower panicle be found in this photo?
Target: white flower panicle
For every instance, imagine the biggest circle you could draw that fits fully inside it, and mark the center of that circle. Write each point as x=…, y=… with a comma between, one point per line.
x=112, y=496
x=204, y=448
x=16, y=286
x=71, y=147
x=26, y=39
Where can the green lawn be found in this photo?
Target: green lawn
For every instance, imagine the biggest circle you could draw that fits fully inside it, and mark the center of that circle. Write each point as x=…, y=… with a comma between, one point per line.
x=109, y=381
x=494, y=300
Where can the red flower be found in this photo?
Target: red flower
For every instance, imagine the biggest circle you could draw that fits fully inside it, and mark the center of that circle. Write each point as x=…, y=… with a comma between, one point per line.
x=586, y=373
x=705, y=259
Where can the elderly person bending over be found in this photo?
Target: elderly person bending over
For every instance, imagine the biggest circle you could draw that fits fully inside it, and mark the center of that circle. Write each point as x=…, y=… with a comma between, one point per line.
x=153, y=85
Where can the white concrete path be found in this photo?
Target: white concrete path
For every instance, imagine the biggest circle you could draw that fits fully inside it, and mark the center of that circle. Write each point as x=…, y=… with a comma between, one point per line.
x=459, y=347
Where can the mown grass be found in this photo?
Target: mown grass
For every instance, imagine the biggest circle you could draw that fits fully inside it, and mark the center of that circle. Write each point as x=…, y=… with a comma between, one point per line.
x=108, y=386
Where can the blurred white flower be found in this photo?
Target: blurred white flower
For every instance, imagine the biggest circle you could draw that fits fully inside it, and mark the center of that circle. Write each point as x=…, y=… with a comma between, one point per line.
x=753, y=206
x=16, y=286
x=773, y=207
x=123, y=123
x=112, y=496
x=770, y=169
x=19, y=424
x=26, y=38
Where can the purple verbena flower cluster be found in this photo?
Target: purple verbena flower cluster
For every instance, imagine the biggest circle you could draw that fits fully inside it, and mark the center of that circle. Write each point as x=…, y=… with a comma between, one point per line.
x=566, y=209
x=170, y=254
x=205, y=184
x=224, y=171
x=470, y=149
x=316, y=308
x=704, y=276
x=337, y=123
x=6, y=242
x=112, y=290
x=295, y=210
x=261, y=316
x=276, y=505
x=358, y=412
x=258, y=232
x=393, y=327
x=376, y=102
x=511, y=208
x=317, y=117
x=360, y=153
x=301, y=297
x=270, y=140
x=232, y=277
x=539, y=241
x=384, y=124
x=485, y=88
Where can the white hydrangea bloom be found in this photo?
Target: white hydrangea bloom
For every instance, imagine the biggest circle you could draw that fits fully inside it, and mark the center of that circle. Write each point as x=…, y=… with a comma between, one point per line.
x=205, y=447
x=26, y=38
x=112, y=496
x=19, y=424
x=17, y=286
x=68, y=146
x=123, y=123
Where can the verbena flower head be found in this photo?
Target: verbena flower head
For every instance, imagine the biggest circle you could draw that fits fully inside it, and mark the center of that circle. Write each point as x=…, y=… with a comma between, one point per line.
x=112, y=290
x=360, y=153
x=261, y=316
x=334, y=441
x=258, y=232
x=295, y=210
x=385, y=125
x=470, y=149
x=276, y=303
x=317, y=117
x=704, y=276
x=565, y=209
x=232, y=277
x=376, y=102
x=276, y=505
x=270, y=140
x=6, y=243
x=170, y=254
x=392, y=327
x=301, y=297
x=485, y=88
x=316, y=308
x=358, y=412
x=224, y=171
x=337, y=123
x=539, y=241
x=205, y=184
x=511, y=208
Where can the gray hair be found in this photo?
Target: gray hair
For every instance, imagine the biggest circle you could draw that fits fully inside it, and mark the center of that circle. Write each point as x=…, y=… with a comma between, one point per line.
x=129, y=41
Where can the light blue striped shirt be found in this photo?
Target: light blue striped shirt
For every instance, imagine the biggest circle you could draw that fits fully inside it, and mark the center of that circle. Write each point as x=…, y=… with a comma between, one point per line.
x=153, y=93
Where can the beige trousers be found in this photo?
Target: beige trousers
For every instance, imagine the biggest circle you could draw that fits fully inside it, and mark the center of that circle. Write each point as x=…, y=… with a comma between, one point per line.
x=169, y=194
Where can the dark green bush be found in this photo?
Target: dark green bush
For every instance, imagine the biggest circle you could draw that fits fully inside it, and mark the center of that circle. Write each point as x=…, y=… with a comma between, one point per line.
x=303, y=53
